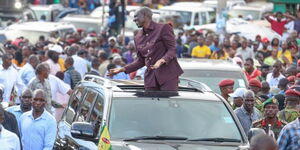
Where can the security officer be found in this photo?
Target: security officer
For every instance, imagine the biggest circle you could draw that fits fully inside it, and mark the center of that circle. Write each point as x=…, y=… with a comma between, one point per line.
x=290, y=112
x=270, y=122
x=255, y=86
x=226, y=87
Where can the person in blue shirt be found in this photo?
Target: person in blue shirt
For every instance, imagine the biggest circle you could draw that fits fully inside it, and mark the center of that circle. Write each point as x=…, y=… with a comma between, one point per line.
x=38, y=127
x=24, y=106
x=118, y=76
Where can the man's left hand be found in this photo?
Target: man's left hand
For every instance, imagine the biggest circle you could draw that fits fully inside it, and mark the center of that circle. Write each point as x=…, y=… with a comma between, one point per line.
x=158, y=64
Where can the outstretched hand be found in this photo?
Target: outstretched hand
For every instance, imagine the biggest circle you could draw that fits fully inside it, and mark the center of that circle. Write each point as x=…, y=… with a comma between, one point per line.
x=114, y=71
x=158, y=64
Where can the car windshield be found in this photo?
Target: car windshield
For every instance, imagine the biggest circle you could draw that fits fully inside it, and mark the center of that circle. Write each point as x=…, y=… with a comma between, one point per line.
x=40, y=13
x=245, y=14
x=86, y=25
x=185, y=17
x=189, y=118
x=212, y=78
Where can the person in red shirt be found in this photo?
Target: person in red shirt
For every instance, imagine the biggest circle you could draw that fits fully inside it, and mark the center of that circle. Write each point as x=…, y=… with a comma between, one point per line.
x=277, y=21
x=250, y=71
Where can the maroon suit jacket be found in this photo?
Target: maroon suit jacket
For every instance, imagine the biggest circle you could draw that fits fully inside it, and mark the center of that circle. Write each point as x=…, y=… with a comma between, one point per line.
x=157, y=42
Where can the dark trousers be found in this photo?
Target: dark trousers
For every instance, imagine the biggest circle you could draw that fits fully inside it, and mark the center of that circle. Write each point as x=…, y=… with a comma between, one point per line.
x=171, y=85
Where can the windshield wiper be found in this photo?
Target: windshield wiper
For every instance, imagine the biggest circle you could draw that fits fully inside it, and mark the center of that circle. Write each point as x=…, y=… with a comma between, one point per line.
x=216, y=139
x=156, y=138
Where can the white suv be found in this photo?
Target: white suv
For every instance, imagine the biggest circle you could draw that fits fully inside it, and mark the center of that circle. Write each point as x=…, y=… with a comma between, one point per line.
x=32, y=30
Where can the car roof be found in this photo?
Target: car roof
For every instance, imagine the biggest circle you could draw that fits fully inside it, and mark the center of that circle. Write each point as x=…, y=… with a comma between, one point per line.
x=135, y=88
x=46, y=7
x=188, y=9
x=255, y=6
x=189, y=4
x=208, y=96
x=81, y=18
x=208, y=64
x=40, y=26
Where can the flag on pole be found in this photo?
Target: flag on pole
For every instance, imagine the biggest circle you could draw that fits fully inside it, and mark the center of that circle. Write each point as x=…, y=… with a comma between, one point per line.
x=104, y=141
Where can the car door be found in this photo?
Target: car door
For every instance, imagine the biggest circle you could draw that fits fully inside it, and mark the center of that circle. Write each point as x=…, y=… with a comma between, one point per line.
x=64, y=126
x=90, y=110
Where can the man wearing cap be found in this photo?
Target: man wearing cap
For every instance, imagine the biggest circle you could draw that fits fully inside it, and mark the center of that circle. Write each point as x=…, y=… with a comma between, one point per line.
x=255, y=86
x=156, y=49
x=265, y=48
x=290, y=112
x=270, y=118
x=226, y=87
x=237, y=96
x=289, y=136
x=112, y=41
x=53, y=56
x=291, y=80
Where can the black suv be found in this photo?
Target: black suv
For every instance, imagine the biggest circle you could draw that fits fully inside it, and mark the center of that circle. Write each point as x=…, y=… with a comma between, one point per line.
x=191, y=118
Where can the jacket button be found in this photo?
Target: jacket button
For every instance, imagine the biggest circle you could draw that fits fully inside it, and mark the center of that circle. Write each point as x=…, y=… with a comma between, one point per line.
x=149, y=58
x=146, y=34
x=148, y=50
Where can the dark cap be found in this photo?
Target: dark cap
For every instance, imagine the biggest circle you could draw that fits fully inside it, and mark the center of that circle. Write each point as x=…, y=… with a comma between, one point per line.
x=226, y=82
x=271, y=100
x=292, y=92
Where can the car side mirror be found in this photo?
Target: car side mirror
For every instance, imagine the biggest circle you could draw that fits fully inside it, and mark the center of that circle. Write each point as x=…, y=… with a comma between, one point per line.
x=82, y=130
x=255, y=131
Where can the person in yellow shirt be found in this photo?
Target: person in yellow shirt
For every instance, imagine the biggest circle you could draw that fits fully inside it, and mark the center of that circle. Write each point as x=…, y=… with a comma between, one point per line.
x=61, y=63
x=285, y=54
x=220, y=54
x=201, y=51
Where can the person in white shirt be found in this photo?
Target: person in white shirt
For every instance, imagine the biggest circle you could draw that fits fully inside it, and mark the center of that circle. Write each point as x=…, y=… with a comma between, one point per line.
x=274, y=77
x=53, y=55
x=26, y=74
x=244, y=51
x=58, y=88
x=8, y=140
x=80, y=64
x=8, y=76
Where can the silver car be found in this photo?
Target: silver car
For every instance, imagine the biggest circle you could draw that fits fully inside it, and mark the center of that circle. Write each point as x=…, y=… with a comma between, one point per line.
x=191, y=118
x=211, y=72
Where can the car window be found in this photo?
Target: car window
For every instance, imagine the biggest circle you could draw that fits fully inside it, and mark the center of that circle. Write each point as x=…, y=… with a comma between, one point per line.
x=197, y=21
x=212, y=17
x=245, y=14
x=212, y=77
x=74, y=103
x=66, y=31
x=40, y=13
x=203, y=18
x=97, y=114
x=54, y=14
x=188, y=118
x=85, y=107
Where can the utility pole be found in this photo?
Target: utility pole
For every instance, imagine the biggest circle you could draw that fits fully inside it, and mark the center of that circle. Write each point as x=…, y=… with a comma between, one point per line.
x=123, y=18
x=103, y=11
x=221, y=18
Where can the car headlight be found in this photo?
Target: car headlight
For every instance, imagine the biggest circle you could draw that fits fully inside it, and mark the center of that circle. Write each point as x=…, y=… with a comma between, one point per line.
x=18, y=5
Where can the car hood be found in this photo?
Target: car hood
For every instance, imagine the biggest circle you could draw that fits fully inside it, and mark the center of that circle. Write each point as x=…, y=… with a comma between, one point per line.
x=173, y=146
